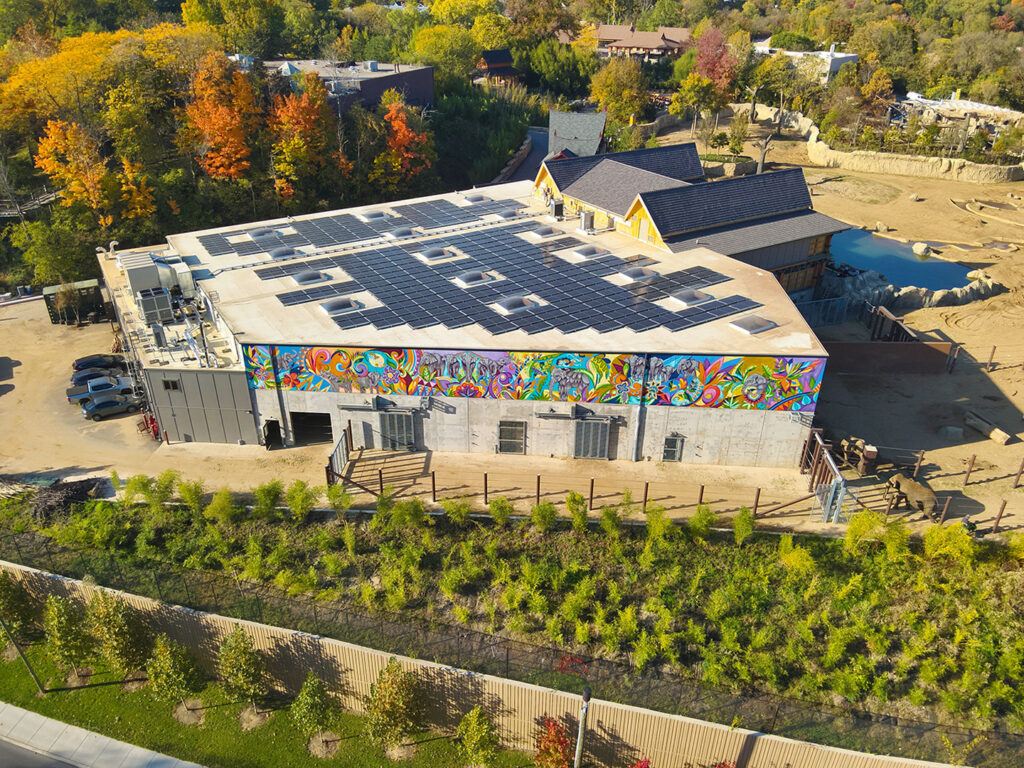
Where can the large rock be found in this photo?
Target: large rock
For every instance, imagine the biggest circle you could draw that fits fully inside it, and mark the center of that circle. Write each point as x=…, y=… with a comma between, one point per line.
x=921, y=249
x=880, y=227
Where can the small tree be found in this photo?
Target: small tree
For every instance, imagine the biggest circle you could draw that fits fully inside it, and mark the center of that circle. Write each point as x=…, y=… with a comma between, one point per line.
x=241, y=667
x=121, y=638
x=67, y=635
x=267, y=498
x=553, y=747
x=339, y=499
x=742, y=525
x=611, y=523
x=160, y=490
x=15, y=606
x=313, y=710
x=192, y=494
x=543, y=516
x=301, y=499
x=478, y=741
x=577, y=506
x=409, y=513
x=501, y=510
x=390, y=709
x=739, y=129
x=222, y=508
x=457, y=511
x=172, y=672
x=658, y=524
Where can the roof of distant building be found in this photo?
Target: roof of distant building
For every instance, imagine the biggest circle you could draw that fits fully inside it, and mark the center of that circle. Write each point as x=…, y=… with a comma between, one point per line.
x=732, y=239
x=497, y=57
x=664, y=38
x=613, y=186
x=678, y=161
x=578, y=132
x=354, y=72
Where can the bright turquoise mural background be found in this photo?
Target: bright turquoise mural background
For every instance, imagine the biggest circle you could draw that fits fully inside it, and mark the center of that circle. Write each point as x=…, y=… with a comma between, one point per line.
x=704, y=381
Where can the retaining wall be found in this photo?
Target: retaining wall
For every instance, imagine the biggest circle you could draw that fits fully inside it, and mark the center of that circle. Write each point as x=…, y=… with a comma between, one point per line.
x=616, y=735
x=822, y=154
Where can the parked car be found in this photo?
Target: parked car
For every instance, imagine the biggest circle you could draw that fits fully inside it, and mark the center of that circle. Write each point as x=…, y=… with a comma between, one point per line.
x=84, y=376
x=106, y=385
x=98, y=361
x=97, y=410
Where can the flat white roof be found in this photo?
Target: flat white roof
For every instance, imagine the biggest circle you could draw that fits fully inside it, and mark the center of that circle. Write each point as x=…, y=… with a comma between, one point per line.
x=404, y=299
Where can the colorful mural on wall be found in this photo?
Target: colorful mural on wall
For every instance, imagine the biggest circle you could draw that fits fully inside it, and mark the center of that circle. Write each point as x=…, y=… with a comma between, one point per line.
x=701, y=381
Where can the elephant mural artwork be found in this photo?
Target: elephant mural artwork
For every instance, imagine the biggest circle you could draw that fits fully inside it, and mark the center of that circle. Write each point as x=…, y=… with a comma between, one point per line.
x=698, y=381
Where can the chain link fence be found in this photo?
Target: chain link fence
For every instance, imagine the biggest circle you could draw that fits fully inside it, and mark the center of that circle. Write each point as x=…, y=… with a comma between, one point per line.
x=464, y=648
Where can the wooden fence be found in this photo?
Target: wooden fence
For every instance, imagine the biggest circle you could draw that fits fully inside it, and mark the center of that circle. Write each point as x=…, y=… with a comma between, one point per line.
x=616, y=734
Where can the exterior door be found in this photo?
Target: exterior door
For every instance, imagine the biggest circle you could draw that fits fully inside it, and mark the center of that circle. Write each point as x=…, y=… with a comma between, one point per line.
x=591, y=439
x=397, y=431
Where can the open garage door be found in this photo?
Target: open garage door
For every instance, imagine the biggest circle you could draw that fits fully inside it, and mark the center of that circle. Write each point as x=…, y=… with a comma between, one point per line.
x=311, y=428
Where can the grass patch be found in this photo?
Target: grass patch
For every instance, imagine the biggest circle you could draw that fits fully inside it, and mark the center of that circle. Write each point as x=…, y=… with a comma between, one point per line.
x=715, y=158
x=137, y=719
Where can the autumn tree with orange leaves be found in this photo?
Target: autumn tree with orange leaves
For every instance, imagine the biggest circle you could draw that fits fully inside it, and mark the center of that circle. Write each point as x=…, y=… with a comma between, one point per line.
x=72, y=160
x=403, y=167
x=305, y=151
x=222, y=118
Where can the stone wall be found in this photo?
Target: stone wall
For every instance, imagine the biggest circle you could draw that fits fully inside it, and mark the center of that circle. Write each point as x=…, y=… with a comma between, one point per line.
x=514, y=162
x=822, y=154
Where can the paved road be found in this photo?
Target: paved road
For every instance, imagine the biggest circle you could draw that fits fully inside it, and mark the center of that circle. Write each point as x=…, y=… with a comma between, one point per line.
x=16, y=757
x=530, y=166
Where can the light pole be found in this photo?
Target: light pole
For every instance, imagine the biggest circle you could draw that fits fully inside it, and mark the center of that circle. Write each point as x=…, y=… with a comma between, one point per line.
x=583, y=726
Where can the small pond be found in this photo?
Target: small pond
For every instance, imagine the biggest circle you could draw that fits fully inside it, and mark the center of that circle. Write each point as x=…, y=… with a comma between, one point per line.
x=896, y=261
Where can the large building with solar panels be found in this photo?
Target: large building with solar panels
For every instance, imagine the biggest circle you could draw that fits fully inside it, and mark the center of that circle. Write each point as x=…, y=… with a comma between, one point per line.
x=589, y=314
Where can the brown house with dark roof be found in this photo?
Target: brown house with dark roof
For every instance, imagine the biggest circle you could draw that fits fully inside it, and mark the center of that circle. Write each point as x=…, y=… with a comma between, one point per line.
x=665, y=41
x=495, y=67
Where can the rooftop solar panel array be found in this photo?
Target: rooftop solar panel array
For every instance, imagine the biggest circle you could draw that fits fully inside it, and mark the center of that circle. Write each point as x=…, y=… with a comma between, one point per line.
x=574, y=295
x=343, y=228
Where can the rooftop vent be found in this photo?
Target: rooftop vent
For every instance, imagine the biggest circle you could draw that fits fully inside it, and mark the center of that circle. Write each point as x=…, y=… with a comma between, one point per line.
x=473, y=277
x=545, y=232
x=753, y=324
x=282, y=253
x=639, y=274
x=590, y=251
x=509, y=214
x=690, y=297
x=310, y=276
x=395, y=234
x=261, y=232
x=476, y=199
x=341, y=306
x=512, y=304
x=374, y=215
x=433, y=254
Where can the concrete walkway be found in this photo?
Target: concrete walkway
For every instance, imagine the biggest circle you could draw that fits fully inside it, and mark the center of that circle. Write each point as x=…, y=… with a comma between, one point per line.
x=76, y=746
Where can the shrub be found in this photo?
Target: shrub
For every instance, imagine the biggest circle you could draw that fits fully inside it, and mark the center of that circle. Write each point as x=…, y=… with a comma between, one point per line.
x=313, y=710
x=15, y=607
x=702, y=522
x=240, y=666
x=172, y=672
x=222, y=508
x=390, y=708
x=742, y=526
x=501, y=510
x=268, y=499
x=950, y=543
x=192, y=494
x=67, y=637
x=478, y=740
x=160, y=490
x=553, y=747
x=543, y=516
x=410, y=513
x=577, y=506
x=339, y=499
x=457, y=511
x=866, y=526
x=348, y=535
x=611, y=523
x=301, y=498
x=122, y=641
x=658, y=524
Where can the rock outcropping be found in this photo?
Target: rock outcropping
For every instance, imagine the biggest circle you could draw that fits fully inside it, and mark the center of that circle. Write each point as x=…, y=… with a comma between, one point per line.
x=870, y=286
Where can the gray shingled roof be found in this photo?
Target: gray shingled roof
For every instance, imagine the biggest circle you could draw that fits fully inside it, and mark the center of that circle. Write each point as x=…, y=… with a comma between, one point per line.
x=579, y=132
x=685, y=209
x=733, y=240
x=679, y=161
x=613, y=186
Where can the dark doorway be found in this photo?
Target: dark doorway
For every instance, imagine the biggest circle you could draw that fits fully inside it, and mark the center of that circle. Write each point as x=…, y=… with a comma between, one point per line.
x=311, y=428
x=272, y=434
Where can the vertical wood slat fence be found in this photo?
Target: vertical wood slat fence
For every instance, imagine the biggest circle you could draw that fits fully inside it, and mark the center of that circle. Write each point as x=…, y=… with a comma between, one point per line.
x=617, y=734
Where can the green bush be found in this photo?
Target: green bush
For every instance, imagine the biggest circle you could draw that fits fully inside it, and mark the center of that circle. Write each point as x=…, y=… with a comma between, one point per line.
x=391, y=706
x=577, y=506
x=478, y=739
x=121, y=639
x=192, y=494
x=742, y=526
x=267, y=498
x=501, y=510
x=457, y=511
x=543, y=516
x=611, y=523
x=241, y=667
x=15, y=606
x=409, y=513
x=172, y=672
x=702, y=522
x=67, y=635
x=222, y=509
x=339, y=499
x=301, y=499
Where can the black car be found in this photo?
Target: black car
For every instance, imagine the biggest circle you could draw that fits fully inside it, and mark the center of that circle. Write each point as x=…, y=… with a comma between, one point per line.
x=98, y=361
x=97, y=410
x=84, y=376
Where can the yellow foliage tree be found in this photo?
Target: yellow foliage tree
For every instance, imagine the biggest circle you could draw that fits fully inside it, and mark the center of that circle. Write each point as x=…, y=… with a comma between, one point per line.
x=71, y=158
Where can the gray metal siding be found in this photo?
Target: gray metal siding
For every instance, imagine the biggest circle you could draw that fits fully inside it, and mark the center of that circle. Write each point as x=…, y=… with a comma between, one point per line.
x=777, y=256
x=210, y=406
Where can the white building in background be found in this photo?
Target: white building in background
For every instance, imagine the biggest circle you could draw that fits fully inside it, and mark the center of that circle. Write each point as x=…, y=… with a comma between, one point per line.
x=827, y=63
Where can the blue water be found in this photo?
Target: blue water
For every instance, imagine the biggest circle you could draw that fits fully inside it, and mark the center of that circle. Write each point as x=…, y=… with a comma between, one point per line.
x=896, y=261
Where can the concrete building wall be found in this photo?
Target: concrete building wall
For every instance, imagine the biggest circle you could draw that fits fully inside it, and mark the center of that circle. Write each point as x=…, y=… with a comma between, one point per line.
x=467, y=425
x=204, y=406
x=416, y=84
